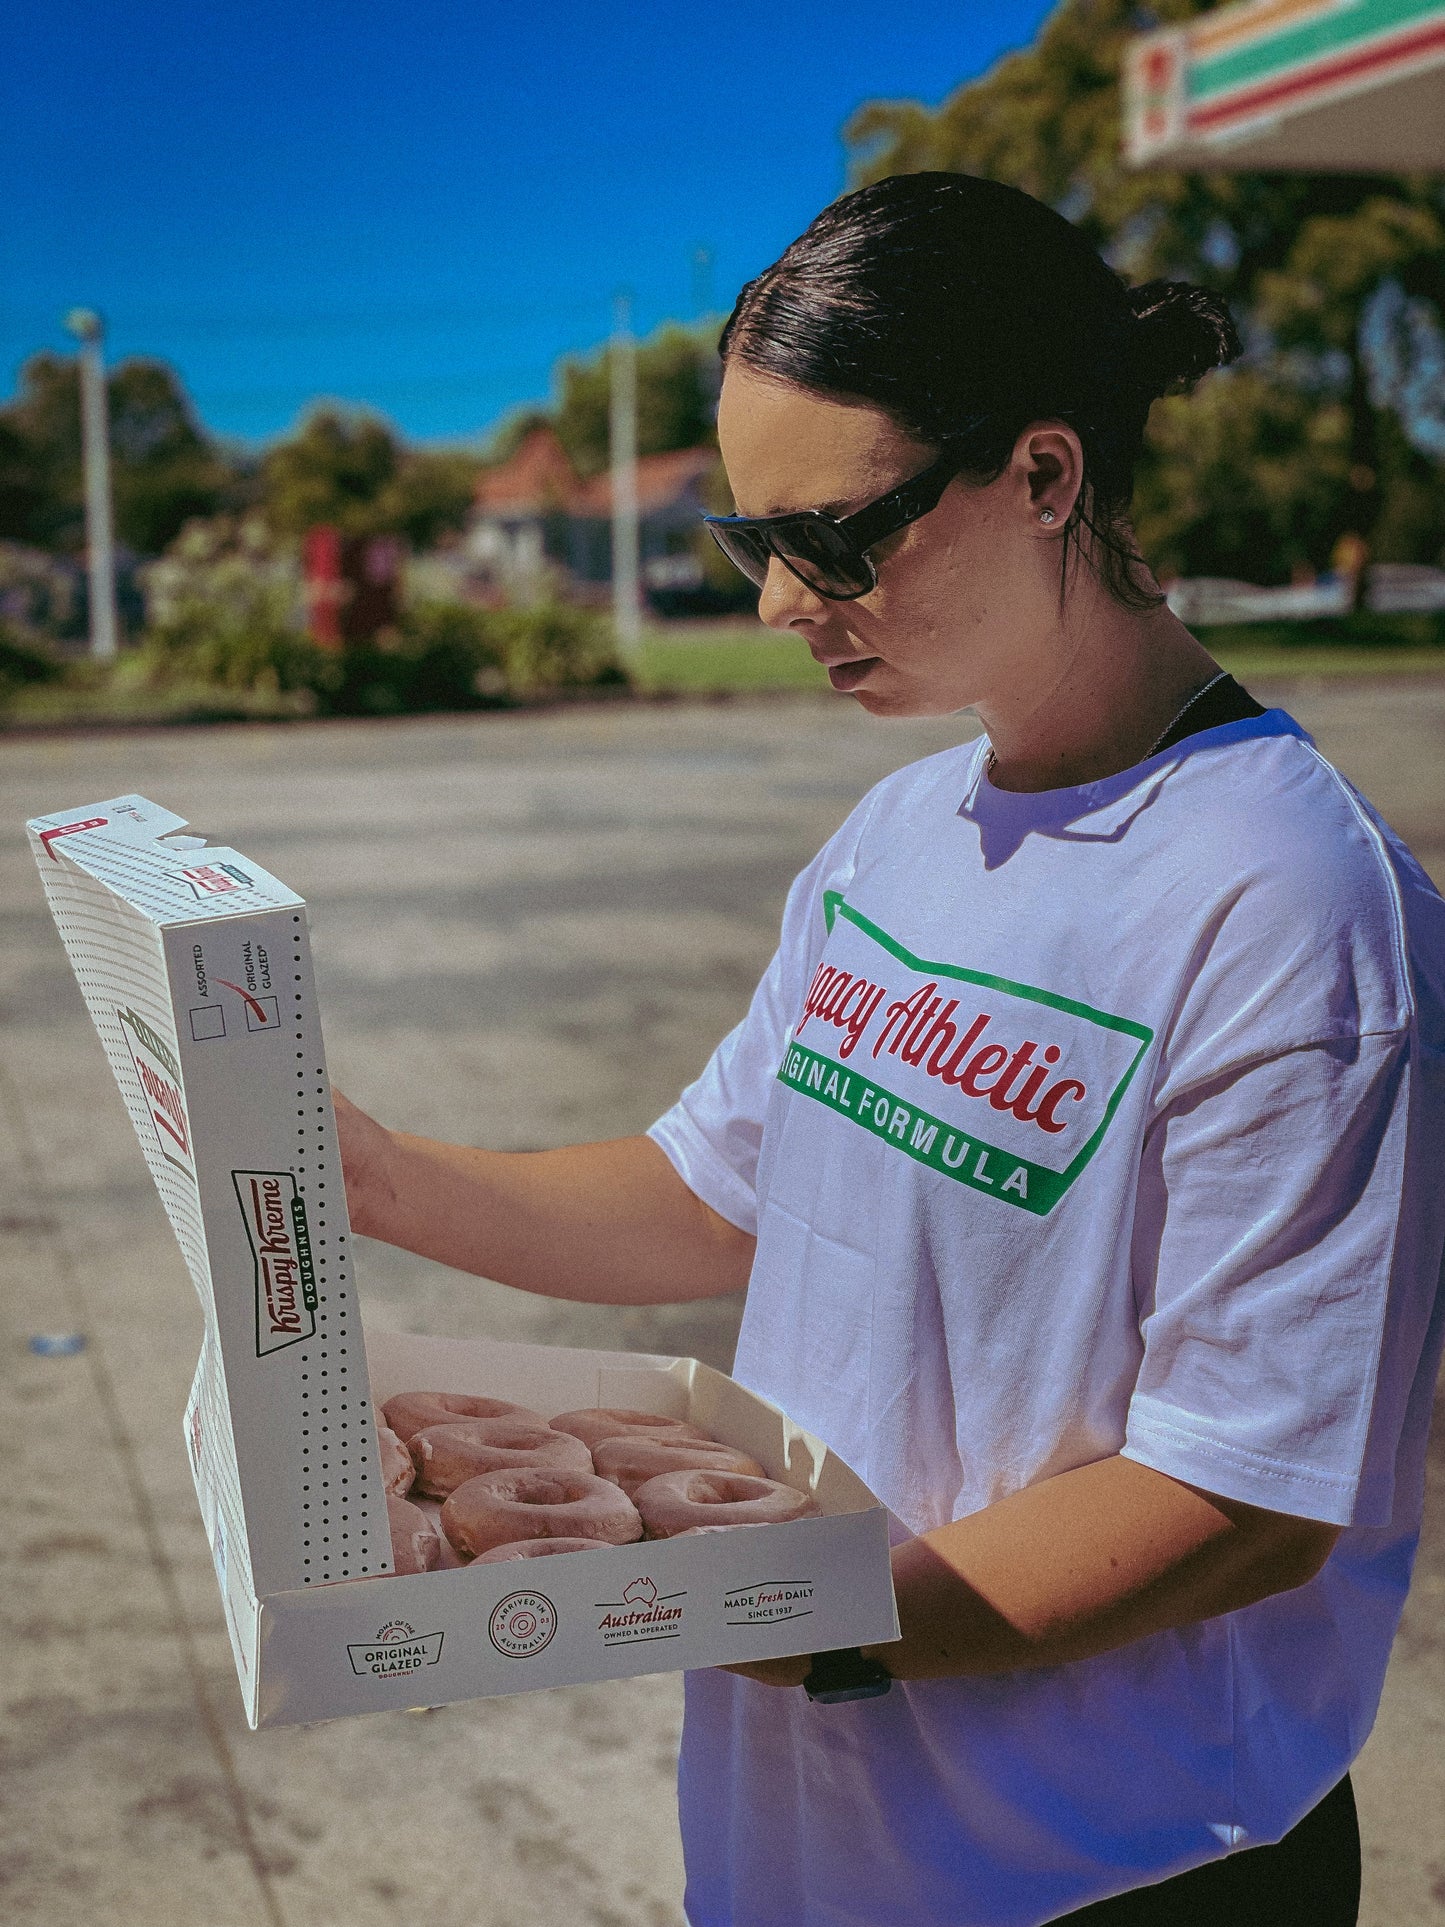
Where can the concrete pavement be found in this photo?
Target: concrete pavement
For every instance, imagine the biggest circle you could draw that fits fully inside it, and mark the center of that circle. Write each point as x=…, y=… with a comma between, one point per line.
x=527, y=931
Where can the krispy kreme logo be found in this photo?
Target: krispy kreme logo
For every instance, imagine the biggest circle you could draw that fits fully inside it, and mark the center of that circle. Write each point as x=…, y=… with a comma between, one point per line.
x=522, y=1624
x=641, y=1614
x=396, y=1651
x=1004, y=1087
x=768, y=1603
x=215, y=879
x=274, y=1213
x=159, y=1077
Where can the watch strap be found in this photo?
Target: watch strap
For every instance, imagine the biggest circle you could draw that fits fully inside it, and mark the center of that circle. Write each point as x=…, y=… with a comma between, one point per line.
x=844, y=1674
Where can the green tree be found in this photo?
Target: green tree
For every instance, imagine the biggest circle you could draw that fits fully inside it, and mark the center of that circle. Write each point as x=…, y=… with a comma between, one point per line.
x=1241, y=479
x=333, y=471
x=677, y=376
x=165, y=469
x=1298, y=256
x=430, y=495
x=350, y=470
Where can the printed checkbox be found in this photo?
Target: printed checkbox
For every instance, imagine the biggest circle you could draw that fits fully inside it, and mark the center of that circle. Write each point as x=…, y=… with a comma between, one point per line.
x=207, y=1021
x=262, y=1013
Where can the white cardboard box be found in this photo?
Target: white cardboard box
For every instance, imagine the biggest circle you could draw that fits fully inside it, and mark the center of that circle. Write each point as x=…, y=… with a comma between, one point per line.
x=195, y=967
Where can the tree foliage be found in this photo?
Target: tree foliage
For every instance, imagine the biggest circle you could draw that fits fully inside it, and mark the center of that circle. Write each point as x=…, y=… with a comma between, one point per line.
x=348, y=469
x=165, y=469
x=677, y=380
x=1299, y=449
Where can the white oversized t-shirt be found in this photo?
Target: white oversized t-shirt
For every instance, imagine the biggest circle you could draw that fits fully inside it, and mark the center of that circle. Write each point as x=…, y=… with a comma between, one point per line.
x=1101, y=1120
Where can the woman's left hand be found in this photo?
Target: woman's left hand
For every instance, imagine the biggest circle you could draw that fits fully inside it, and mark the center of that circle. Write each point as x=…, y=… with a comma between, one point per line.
x=775, y=1672
x=1079, y=1564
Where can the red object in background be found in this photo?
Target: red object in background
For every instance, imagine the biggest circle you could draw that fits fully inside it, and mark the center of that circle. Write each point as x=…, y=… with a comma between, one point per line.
x=321, y=566
x=351, y=585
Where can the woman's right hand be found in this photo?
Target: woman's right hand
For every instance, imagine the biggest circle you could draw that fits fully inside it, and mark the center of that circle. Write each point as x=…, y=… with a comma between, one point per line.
x=365, y=1158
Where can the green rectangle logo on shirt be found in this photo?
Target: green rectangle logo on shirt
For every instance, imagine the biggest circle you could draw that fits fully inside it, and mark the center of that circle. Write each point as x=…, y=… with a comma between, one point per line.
x=1001, y=1086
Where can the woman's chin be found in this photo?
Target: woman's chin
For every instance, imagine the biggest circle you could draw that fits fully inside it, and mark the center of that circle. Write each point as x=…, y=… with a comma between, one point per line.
x=894, y=697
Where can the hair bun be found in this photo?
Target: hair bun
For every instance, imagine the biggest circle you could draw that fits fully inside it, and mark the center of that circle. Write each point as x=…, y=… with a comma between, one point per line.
x=1180, y=332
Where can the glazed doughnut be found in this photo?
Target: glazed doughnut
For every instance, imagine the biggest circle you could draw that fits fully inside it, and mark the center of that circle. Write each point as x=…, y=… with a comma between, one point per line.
x=498, y=1508
x=430, y=1509
x=598, y=1422
x=397, y=1470
x=446, y=1456
x=674, y=1501
x=414, y=1545
x=408, y=1412
x=534, y=1549
x=632, y=1460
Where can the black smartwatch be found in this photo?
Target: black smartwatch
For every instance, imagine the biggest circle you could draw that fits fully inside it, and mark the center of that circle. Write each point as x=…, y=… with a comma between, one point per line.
x=846, y=1675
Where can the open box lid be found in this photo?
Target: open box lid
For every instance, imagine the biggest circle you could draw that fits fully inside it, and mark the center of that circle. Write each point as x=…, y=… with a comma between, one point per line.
x=141, y=851
x=195, y=966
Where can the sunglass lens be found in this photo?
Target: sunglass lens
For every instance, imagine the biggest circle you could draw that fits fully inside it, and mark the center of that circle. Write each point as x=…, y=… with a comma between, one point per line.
x=745, y=549
x=823, y=557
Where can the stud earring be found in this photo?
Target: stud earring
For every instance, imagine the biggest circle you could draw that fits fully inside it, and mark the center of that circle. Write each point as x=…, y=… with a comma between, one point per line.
x=1046, y=515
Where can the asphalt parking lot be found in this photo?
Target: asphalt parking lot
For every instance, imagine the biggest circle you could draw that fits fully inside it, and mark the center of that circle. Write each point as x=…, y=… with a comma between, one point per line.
x=528, y=931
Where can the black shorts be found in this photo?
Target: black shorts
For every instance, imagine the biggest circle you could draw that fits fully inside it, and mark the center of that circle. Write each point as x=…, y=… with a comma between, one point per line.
x=1311, y=1878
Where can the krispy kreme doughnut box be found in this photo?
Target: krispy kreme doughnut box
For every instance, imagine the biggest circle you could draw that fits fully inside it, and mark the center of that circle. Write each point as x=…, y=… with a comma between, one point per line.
x=195, y=967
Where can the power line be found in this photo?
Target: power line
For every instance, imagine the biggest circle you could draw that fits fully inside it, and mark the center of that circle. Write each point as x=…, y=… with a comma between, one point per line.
x=416, y=388
x=319, y=320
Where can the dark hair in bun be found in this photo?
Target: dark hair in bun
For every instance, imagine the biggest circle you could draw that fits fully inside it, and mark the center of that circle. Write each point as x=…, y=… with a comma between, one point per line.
x=1180, y=333
x=967, y=310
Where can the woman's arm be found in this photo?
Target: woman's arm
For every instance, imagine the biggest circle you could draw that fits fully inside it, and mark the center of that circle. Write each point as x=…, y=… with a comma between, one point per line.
x=1076, y=1565
x=608, y=1223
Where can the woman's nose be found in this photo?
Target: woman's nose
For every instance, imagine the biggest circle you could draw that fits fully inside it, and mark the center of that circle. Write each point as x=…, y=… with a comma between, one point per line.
x=784, y=602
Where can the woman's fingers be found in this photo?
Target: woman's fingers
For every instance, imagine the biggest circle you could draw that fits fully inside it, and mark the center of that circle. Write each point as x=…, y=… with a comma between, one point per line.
x=363, y=1144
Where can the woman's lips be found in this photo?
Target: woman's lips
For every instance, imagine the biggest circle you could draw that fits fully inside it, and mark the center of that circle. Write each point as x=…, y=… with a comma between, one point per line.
x=847, y=675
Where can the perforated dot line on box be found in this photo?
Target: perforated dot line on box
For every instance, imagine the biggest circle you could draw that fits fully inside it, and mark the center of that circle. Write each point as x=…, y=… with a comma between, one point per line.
x=337, y=1540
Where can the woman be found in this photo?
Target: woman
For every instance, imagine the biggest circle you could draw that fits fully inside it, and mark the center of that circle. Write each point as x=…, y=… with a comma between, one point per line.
x=1105, y=1244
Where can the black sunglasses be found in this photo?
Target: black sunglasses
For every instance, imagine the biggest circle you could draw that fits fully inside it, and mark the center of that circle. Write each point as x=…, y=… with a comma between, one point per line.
x=827, y=553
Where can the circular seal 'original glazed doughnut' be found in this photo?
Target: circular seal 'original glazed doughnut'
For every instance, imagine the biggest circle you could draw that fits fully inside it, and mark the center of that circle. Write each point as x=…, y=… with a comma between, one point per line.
x=535, y=1549
x=499, y=1508
x=598, y=1422
x=632, y=1460
x=676, y=1501
x=397, y=1470
x=446, y=1456
x=414, y=1544
x=408, y=1412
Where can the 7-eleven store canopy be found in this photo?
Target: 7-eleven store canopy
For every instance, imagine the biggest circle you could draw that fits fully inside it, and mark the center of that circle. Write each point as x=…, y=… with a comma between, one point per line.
x=1356, y=86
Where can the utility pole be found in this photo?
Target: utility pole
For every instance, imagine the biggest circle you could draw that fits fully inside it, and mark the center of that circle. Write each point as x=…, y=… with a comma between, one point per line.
x=89, y=331
x=626, y=590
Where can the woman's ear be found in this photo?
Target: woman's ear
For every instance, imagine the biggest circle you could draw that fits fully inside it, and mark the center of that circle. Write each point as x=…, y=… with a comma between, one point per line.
x=1048, y=459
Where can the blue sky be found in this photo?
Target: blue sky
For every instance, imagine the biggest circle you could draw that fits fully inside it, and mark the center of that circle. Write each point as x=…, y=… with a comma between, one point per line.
x=419, y=207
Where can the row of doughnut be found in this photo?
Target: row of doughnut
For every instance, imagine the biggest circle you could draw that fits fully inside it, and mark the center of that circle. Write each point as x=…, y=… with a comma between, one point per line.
x=513, y=1485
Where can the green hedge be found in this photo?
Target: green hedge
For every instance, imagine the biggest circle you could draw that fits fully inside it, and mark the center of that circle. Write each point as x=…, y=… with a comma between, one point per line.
x=214, y=662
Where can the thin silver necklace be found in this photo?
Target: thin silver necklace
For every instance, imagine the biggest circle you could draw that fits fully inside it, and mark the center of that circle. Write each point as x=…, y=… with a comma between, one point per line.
x=1164, y=734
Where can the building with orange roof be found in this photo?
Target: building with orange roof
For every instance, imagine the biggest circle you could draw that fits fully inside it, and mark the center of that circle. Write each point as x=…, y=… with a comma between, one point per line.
x=538, y=525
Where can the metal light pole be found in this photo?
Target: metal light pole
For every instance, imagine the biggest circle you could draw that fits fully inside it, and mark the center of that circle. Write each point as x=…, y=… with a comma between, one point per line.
x=626, y=589
x=89, y=330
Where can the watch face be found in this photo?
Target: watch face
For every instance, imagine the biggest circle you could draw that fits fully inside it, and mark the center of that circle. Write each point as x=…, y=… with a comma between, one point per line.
x=839, y=1694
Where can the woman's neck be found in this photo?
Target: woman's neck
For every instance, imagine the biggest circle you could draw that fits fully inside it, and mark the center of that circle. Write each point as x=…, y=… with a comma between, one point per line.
x=1116, y=680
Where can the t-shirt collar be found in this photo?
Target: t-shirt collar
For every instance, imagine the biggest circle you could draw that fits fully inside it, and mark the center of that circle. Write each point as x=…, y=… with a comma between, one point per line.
x=1042, y=808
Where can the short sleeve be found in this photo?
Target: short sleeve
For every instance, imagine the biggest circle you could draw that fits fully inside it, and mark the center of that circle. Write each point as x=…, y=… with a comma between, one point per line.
x=713, y=1135
x=1273, y=1264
